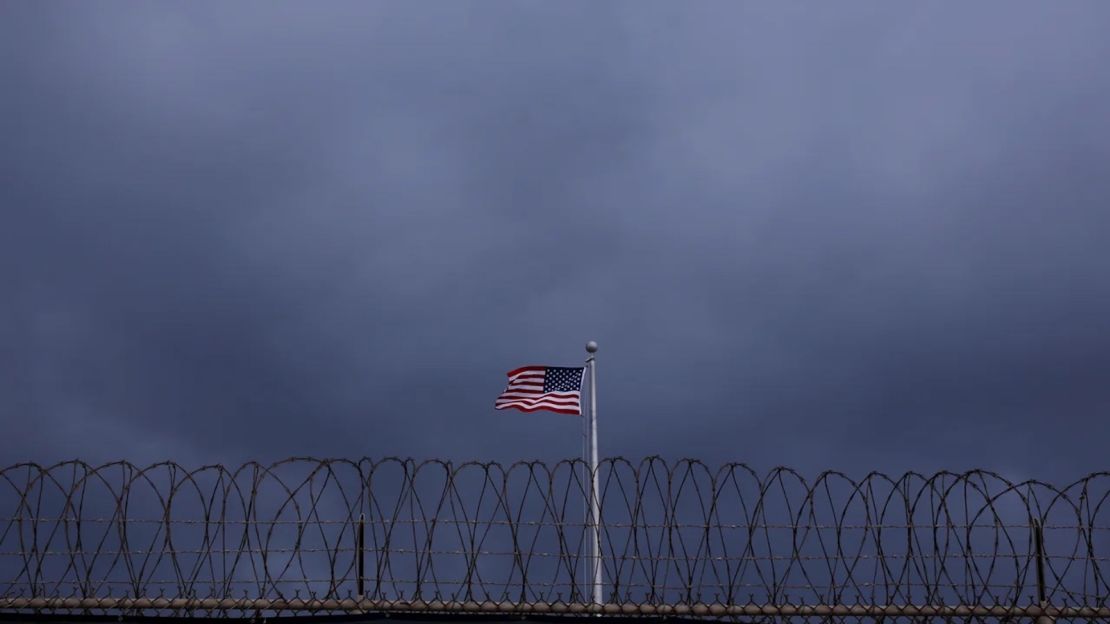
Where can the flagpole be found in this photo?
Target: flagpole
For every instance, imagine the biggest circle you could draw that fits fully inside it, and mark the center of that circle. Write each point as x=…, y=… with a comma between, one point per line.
x=595, y=499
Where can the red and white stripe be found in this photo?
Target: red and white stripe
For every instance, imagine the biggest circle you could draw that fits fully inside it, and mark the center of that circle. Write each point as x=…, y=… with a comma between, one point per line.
x=525, y=393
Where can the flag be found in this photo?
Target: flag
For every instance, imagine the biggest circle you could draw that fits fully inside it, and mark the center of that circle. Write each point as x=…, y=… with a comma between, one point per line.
x=535, y=388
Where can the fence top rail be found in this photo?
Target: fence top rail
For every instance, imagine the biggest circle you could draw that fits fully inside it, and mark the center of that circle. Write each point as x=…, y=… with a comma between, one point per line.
x=710, y=610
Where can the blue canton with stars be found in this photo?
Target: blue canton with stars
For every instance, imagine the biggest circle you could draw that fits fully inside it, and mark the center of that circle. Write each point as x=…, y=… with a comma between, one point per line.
x=562, y=380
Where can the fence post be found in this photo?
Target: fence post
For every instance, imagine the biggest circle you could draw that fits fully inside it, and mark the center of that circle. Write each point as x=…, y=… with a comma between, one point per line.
x=1038, y=545
x=361, y=549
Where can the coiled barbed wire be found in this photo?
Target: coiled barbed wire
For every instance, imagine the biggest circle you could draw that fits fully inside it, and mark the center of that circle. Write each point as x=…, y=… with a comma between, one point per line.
x=377, y=533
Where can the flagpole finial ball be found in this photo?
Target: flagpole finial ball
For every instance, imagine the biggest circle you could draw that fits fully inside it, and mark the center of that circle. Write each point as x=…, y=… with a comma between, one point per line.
x=591, y=347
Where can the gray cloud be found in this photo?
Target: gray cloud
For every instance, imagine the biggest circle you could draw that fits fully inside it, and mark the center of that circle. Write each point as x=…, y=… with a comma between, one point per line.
x=841, y=237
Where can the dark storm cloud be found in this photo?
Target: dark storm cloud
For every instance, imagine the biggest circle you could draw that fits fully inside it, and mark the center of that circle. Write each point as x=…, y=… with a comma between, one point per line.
x=850, y=237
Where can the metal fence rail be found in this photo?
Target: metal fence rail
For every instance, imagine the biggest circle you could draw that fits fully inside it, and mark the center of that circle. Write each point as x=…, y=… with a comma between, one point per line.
x=680, y=538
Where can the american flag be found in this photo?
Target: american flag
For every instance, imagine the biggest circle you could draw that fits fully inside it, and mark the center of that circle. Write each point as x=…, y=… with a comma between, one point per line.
x=535, y=388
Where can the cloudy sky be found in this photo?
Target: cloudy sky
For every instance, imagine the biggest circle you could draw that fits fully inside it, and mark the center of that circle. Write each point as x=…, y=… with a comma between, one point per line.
x=854, y=235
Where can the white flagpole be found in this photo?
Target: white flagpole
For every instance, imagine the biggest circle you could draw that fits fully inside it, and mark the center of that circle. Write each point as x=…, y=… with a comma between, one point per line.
x=595, y=500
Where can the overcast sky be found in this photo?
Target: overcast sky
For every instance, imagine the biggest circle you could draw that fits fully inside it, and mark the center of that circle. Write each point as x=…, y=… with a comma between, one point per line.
x=853, y=235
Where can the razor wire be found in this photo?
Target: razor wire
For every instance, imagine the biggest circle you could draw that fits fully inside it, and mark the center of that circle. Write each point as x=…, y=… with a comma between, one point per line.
x=307, y=534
